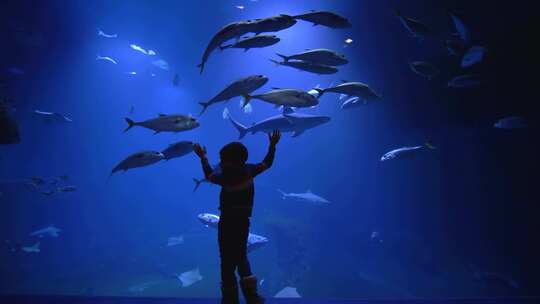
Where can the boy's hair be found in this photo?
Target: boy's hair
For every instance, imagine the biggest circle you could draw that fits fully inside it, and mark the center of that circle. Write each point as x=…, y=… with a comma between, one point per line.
x=234, y=152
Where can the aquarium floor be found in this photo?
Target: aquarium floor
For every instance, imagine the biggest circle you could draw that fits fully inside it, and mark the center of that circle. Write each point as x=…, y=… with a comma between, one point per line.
x=130, y=300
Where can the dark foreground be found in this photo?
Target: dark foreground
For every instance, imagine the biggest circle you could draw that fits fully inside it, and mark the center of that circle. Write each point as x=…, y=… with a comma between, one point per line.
x=130, y=300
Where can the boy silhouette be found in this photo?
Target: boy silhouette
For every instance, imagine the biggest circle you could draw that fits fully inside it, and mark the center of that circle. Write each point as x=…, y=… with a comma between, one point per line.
x=235, y=177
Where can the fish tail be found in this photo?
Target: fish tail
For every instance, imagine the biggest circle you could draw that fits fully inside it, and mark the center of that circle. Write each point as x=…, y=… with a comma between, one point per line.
x=246, y=100
x=242, y=130
x=204, y=105
x=276, y=62
x=285, y=58
x=320, y=92
x=130, y=123
x=201, y=66
x=197, y=184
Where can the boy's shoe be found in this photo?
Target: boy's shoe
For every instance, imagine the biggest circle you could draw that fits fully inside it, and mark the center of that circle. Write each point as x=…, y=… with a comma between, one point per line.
x=249, y=289
x=229, y=294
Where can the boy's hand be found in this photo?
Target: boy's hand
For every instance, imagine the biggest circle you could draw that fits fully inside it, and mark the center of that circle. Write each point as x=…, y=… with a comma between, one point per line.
x=274, y=137
x=199, y=150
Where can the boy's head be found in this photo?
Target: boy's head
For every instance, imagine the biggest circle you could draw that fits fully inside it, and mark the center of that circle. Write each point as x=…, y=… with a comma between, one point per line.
x=233, y=155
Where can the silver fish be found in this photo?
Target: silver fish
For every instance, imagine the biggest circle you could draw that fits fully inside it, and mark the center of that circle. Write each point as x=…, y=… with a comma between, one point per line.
x=139, y=159
x=315, y=68
x=166, y=123
x=178, y=149
x=325, y=18
x=285, y=97
x=318, y=56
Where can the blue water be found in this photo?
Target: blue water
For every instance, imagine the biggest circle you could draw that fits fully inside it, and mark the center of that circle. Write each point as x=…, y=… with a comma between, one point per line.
x=468, y=206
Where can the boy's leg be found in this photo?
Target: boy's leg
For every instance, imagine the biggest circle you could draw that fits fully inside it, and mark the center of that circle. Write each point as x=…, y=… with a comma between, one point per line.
x=229, y=285
x=248, y=281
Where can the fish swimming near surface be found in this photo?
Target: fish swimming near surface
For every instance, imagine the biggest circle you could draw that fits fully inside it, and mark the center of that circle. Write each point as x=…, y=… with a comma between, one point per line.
x=511, y=122
x=318, y=56
x=254, y=241
x=350, y=89
x=52, y=116
x=106, y=58
x=166, y=123
x=424, y=69
x=296, y=123
x=307, y=196
x=240, y=87
x=465, y=81
x=329, y=19
x=319, y=69
x=229, y=31
x=32, y=249
x=258, y=41
x=473, y=56
x=178, y=149
x=9, y=130
x=415, y=27
x=285, y=97
x=462, y=30
x=47, y=231
x=406, y=152
x=103, y=34
x=288, y=292
x=137, y=160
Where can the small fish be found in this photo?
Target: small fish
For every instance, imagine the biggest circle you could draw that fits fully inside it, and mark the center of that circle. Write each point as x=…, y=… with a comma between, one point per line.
x=348, y=41
x=32, y=249
x=239, y=87
x=461, y=28
x=415, y=27
x=376, y=237
x=50, y=231
x=258, y=41
x=285, y=97
x=191, y=277
x=103, y=34
x=307, y=196
x=424, y=68
x=131, y=73
x=105, y=58
x=52, y=116
x=175, y=240
x=510, y=123
x=140, y=49
x=166, y=123
x=351, y=89
x=465, y=81
x=473, y=56
x=240, y=7
x=137, y=160
x=162, y=64
x=66, y=189
x=318, y=56
x=353, y=102
x=406, y=152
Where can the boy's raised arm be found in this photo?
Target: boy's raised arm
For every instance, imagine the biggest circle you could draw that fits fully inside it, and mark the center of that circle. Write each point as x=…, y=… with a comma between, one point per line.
x=207, y=169
x=268, y=160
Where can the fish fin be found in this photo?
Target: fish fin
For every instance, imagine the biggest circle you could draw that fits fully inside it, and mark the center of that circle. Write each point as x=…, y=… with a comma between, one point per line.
x=276, y=62
x=197, y=184
x=344, y=80
x=275, y=88
x=298, y=133
x=204, y=105
x=247, y=99
x=285, y=58
x=241, y=129
x=130, y=123
x=283, y=194
x=320, y=92
x=201, y=66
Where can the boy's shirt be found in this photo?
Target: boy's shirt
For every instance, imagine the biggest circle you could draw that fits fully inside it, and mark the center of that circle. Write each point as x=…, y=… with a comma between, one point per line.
x=237, y=189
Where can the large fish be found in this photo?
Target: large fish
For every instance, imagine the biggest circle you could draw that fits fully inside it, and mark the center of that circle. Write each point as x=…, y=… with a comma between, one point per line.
x=415, y=27
x=406, y=152
x=254, y=241
x=229, y=31
x=285, y=97
x=257, y=41
x=318, y=56
x=307, y=196
x=272, y=24
x=166, y=123
x=325, y=18
x=9, y=131
x=139, y=159
x=288, y=122
x=178, y=149
x=240, y=87
x=319, y=69
x=357, y=89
